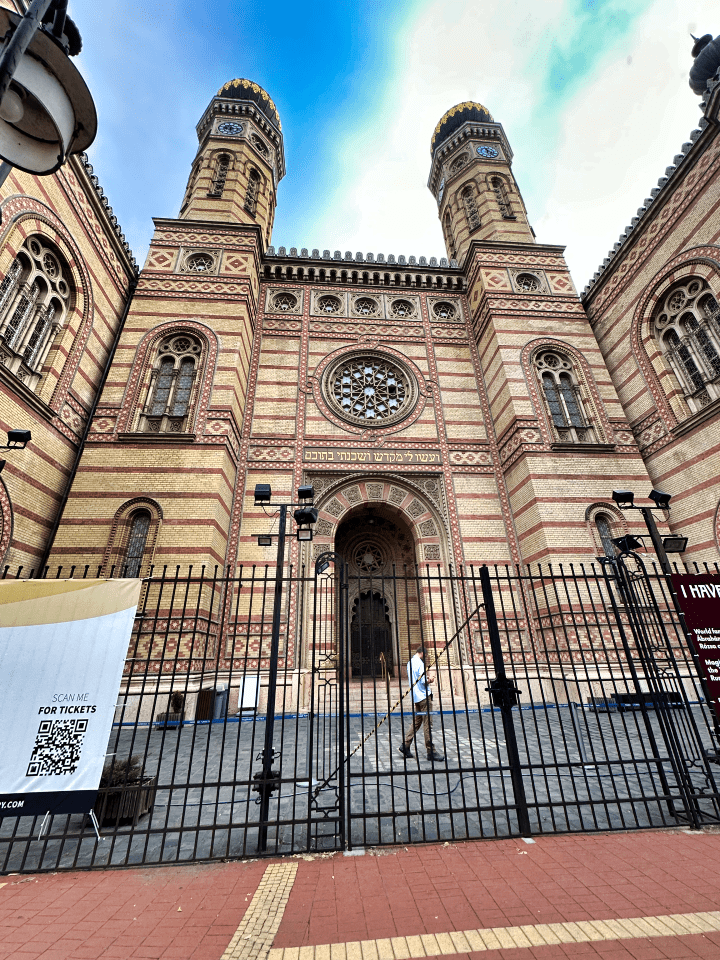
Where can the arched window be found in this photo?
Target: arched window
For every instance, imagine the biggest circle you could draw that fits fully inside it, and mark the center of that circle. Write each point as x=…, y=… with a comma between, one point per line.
x=687, y=328
x=603, y=526
x=34, y=300
x=501, y=195
x=471, y=210
x=222, y=165
x=171, y=392
x=253, y=189
x=562, y=396
x=449, y=235
x=137, y=540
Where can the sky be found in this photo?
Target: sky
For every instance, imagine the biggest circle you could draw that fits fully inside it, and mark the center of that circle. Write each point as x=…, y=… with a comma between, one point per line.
x=593, y=96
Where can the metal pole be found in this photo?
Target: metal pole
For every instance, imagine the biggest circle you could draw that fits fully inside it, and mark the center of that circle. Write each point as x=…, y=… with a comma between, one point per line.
x=504, y=694
x=268, y=778
x=19, y=42
x=656, y=538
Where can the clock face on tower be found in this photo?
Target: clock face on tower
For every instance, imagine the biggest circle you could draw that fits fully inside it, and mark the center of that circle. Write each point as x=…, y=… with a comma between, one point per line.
x=230, y=129
x=489, y=152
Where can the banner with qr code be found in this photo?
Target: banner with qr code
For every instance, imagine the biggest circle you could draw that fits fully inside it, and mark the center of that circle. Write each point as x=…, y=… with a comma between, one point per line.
x=63, y=645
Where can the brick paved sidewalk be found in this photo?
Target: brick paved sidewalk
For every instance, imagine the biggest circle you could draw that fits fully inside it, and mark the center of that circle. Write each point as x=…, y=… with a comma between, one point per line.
x=642, y=896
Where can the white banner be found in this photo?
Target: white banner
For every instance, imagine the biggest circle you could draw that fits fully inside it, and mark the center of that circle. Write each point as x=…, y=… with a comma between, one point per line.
x=63, y=645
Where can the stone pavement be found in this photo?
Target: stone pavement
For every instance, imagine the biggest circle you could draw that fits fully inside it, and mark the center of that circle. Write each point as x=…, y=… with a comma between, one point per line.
x=638, y=896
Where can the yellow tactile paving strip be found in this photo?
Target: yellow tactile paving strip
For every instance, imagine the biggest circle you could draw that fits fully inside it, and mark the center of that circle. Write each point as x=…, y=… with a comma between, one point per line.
x=496, y=938
x=253, y=938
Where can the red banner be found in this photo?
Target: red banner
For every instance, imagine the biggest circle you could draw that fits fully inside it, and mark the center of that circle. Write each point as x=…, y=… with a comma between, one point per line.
x=699, y=596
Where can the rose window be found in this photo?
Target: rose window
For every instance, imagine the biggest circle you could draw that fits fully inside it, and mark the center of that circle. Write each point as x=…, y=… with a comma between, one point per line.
x=401, y=308
x=368, y=558
x=370, y=390
x=527, y=282
x=444, y=311
x=329, y=304
x=676, y=301
x=366, y=306
x=50, y=265
x=284, y=302
x=200, y=262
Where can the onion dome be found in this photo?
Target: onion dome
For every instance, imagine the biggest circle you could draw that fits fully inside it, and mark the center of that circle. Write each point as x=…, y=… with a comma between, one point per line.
x=253, y=92
x=706, y=53
x=456, y=117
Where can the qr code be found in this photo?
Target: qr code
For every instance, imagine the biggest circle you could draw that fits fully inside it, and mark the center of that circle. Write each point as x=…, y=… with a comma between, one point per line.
x=57, y=747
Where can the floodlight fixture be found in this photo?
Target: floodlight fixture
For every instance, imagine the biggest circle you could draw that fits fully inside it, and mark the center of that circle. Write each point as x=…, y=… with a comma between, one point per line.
x=306, y=493
x=305, y=534
x=264, y=540
x=305, y=517
x=18, y=439
x=322, y=565
x=623, y=498
x=627, y=543
x=675, y=544
x=661, y=500
x=263, y=494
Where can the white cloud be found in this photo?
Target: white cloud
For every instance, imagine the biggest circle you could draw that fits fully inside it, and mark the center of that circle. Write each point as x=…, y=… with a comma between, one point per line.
x=583, y=166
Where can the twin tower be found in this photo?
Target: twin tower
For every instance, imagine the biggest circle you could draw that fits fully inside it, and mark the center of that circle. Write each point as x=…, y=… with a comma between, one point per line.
x=241, y=161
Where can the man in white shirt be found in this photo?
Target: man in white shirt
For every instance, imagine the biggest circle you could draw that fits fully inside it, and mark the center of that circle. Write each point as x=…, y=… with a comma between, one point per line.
x=419, y=682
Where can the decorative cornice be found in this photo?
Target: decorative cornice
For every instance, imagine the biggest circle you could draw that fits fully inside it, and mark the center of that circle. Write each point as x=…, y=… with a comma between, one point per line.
x=105, y=204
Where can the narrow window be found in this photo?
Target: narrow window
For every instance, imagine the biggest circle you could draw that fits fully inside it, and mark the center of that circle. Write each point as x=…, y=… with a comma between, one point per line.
x=253, y=189
x=21, y=314
x=222, y=166
x=449, y=235
x=501, y=196
x=571, y=405
x=163, y=385
x=471, y=210
x=680, y=351
x=184, y=387
x=45, y=318
x=139, y=527
x=7, y=287
x=602, y=523
x=553, y=400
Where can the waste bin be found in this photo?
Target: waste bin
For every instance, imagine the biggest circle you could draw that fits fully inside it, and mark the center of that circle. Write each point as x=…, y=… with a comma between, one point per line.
x=221, y=702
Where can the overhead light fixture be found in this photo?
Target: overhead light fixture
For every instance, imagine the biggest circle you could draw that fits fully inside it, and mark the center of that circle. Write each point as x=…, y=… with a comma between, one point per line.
x=675, y=544
x=623, y=498
x=263, y=494
x=322, y=565
x=306, y=493
x=627, y=543
x=18, y=439
x=661, y=500
x=47, y=111
x=264, y=540
x=305, y=517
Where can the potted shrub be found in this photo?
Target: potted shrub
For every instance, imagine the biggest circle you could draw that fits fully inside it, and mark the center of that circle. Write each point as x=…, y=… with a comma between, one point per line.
x=176, y=713
x=125, y=794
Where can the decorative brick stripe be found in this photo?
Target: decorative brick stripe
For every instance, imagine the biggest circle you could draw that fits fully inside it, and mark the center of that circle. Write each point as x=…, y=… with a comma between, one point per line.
x=254, y=937
x=499, y=938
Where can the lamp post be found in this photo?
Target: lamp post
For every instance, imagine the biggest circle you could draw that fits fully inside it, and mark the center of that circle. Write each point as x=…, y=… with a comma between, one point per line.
x=267, y=779
x=46, y=110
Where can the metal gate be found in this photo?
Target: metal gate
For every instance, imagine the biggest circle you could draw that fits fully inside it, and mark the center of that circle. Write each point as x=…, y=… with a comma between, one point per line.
x=564, y=700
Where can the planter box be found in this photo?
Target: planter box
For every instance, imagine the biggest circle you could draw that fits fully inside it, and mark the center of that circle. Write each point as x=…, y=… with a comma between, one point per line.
x=169, y=720
x=129, y=802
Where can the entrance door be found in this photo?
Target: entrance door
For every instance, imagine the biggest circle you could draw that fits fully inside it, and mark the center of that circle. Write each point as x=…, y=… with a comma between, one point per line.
x=370, y=637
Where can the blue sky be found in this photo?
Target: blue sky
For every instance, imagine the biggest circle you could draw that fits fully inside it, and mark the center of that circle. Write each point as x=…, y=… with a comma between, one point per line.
x=592, y=93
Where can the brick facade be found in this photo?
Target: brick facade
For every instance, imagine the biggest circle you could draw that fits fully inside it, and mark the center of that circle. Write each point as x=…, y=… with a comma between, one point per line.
x=476, y=466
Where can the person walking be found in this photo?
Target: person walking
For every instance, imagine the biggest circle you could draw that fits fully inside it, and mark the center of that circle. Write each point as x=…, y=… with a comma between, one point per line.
x=419, y=682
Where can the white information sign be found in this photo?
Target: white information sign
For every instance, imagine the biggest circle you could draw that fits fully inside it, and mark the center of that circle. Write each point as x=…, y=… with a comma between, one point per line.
x=63, y=644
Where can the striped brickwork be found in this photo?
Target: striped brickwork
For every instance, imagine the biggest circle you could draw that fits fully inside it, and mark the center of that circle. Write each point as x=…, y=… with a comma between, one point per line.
x=678, y=237
x=549, y=484
x=65, y=210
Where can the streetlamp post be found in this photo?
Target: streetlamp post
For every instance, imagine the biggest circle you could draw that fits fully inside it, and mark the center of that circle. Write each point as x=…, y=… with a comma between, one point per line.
x=267, y=779
x=662, y=546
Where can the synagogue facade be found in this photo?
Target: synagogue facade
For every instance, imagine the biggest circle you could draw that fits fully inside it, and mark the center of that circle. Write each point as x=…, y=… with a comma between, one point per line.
x=471, y=409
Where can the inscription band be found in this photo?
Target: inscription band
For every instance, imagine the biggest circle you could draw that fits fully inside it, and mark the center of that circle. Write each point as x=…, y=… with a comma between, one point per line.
x=372, y=456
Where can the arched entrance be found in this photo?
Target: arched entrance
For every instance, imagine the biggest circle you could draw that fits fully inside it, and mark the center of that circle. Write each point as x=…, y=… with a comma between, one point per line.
x=371, y=647
x=379, y=549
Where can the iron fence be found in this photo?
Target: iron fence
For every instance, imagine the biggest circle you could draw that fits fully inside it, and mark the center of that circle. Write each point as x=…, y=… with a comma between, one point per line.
x=565, y=699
